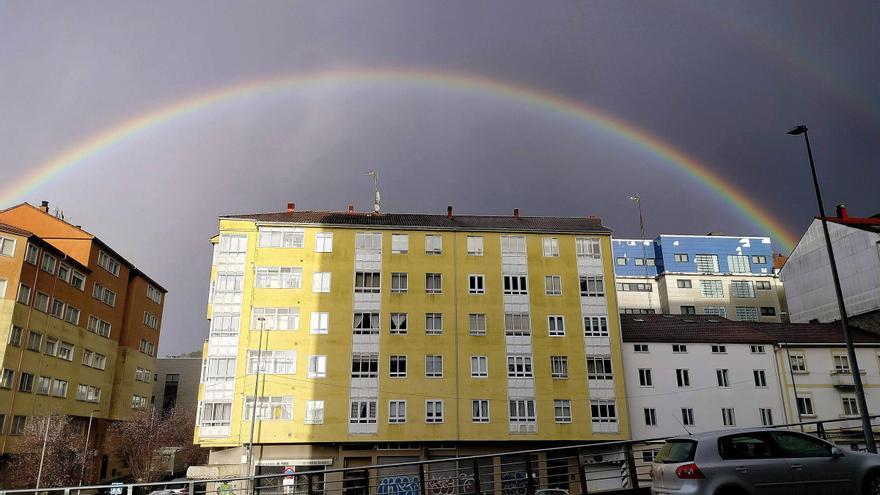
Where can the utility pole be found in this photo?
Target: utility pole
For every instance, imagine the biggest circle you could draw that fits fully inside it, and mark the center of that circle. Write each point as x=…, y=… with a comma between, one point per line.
x=250, y=457
x=844, y=319
x=43, y=453
x=82, y=469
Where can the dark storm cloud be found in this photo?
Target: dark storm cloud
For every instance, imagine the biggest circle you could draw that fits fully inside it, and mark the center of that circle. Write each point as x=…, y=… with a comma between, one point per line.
x=721, y=81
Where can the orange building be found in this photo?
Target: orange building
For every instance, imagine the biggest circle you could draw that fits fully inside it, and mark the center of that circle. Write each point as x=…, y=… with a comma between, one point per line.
x=80, y=326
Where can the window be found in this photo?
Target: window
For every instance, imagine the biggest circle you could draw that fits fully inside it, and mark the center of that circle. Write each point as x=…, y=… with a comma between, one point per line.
x=399, y=243
x=640, y=348
x=762, y=285
x=367, y=282
x=153, y=294
x=841, y=363
x=687, y=416
x=397, y=367
x=683, y=378
x=317, y=367
x=147, y=347
x=59, y=388
x=108, y=263
x=31, y=254
x=480, y=411
x=433, y=323
x=513, y=245
x=365, y=365
x=397, y=411
x=798, y=362
x=269, y=408
x=479, y=366
x=592, y=286
x=51, y=346
x=366, y=323
x=433, y=411
x=595, y=326
x=434, y=366
x=41, y=302
x=433, y=244
x=556, y=325
x=474, y=245
x=759, y=259
x=143, y=375
x=399, y=283
x=98, y=326
x=515, y=284
x=711, y=288
x=138, y=402
x=746, y=313
x=553, y=285
x=324, y=242
x=562, y=410
x=398, y=324
x=756, y=349
x=519, y=366
x=65, y=351
x=603, y=410
x=476, y=284
x=18, y=424
x=314, y=412
x=15, y=334
x=800, y=445
x=805, y=406
x=26, y=382
x=215, y=413
x=3, y=284
x=723, y=377
x=320, y=323
x=281, y=237
x=559, y=366
x=766, y=416
x=715, y=311
x=517, y=324
x=99, y=361
x=681, y=257
x=64, y=272
x=719, y=349
x=742, y=289
x=551, y=246
x=588, y=247
x=522, y=411
x=24, y=294
x=768, y=311
x=645, y=378
x=71, y=315
x=599, y=368
x=368, y=241
x=738, y=264
x=233, y=244
x=477, y=324
x=688, y=310
x=621, y=260
x=57, y=308
x=679, y=348
x=278, y=277
x=272, y=362
x=151, y=320
x=634, y=287
x=650, y=416
x=650, y=262
x=275, y=318
x=706, y=263
x=639, y=261
x=850, y=406
x=684, y=283
x=321, y=282
x=727, y=416
x=433, y=283
x=760, y=378
x=7, y=379
x=49, y=263
x=34, y=341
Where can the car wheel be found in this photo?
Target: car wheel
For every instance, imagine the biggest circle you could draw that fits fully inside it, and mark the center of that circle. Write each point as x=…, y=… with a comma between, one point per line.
x=872, y=484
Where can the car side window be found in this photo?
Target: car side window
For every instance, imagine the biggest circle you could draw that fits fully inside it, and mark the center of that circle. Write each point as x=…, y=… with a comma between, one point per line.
x=797, y=445
x=747, y=446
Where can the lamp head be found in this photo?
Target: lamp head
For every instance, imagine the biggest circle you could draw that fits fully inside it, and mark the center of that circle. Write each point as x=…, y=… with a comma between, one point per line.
x=797, y=131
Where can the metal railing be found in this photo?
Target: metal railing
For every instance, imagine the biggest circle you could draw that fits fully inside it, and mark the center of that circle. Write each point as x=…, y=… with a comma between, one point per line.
x=604, y=467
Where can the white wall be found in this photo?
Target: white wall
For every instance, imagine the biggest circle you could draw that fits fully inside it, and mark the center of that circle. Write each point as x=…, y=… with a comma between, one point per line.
x=674, y=297
x=809, y=288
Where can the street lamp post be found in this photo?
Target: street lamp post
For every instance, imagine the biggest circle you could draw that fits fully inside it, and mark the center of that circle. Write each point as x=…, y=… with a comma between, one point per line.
x=82, y=469
x=256, y=391
x=844, y=321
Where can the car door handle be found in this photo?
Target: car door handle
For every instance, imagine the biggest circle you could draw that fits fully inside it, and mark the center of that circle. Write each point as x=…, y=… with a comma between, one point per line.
x=797, y=467
x=742, y=469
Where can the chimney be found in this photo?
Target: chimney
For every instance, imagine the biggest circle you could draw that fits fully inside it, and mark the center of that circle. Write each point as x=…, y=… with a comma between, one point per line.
x=841, y=211
x=449, y=212
x=351, y=209
x=291, y=207
x=516, y=213
x=44, y=205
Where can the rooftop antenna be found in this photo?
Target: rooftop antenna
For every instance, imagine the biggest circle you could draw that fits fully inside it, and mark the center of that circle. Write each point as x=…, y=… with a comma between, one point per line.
x=378, y=199
x=638, y=201
x=681, y=424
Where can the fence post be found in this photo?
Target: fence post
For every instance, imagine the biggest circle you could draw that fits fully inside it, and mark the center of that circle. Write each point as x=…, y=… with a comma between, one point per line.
x=631, y=467
x=192, y=487
x=820, y=430
x=311, y=488
x=582, y=475
x=530, y=482
x=477, y=489
x=422, y=479
x=130, y=490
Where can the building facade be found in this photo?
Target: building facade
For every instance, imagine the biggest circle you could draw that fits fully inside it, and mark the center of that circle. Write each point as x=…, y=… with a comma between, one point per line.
x=176, y=382
x=79, y=324
x=731, y=277
x=807, y=272
x=386, y=336
x=702, y=373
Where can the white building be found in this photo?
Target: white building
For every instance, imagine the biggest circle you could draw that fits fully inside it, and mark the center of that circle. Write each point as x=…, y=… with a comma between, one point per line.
x=696, y=373
x=807, y=273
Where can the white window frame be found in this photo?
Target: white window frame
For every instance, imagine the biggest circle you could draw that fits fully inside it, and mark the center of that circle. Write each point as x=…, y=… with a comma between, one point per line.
x=431, y=366
x=314, y=414
x=399, y=323
x=550, y=247
x=477, y=324
x=394, y=369
x=399, y=282
x=433, y=244
x=515, y=284
x=556, y=325
x=281, y=237
x=321, y=282
x=319, y=323
x=399, y=243
x=476, y=283
x=396, y=411
x=433, y=283
x=479, y=366
x=559, y=367
x=588, y=247
x=317, y=366
x=323, y=242
x=562, y=410
x=480, y=411
x=552, y=285
x=434, y=411
x=475, y=245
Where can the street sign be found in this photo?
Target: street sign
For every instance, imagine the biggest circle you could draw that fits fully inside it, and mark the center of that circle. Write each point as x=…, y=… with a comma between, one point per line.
x=289, y=477
x=116, y=488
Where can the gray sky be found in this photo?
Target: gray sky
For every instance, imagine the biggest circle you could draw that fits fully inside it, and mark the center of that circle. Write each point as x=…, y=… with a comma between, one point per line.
x=720, y=81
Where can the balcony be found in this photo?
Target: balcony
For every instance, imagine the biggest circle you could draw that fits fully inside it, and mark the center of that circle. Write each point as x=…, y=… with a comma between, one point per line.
x=843, y=378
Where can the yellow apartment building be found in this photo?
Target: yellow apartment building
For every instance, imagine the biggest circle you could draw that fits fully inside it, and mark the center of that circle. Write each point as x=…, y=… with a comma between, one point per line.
x=79, y=327
x=387, y=337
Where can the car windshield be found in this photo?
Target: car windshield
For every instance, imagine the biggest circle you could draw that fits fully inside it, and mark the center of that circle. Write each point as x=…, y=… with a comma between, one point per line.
x=675, y=451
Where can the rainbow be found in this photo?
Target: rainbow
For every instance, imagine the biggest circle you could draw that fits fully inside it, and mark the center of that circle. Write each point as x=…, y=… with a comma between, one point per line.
x=580, y=112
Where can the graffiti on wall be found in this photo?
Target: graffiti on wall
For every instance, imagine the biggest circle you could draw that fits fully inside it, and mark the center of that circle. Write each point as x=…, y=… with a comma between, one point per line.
x=514, y=483
x=398, y=485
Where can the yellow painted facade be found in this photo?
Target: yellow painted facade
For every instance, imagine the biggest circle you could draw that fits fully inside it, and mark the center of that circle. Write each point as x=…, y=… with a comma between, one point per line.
x=457, y=388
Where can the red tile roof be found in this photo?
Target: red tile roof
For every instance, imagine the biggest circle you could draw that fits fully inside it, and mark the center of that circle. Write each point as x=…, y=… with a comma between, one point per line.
x=871, y=224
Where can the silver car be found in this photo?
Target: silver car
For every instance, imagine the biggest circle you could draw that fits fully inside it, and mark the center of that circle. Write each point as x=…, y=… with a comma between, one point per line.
x=761, y=461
